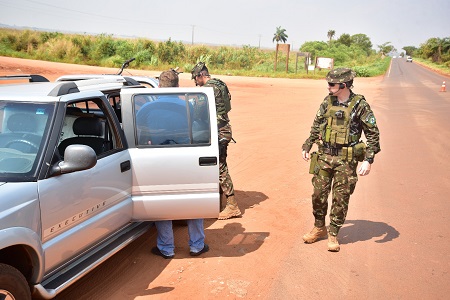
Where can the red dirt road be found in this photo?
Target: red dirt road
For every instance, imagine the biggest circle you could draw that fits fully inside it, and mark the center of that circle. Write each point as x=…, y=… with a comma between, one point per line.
x=393, y=245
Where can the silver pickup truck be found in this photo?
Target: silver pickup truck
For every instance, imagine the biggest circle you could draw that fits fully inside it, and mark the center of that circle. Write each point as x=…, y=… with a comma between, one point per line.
x=83, y=169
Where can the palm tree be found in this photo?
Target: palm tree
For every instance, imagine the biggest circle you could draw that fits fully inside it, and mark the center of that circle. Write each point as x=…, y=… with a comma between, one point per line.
x=330, y=35
x=443, y=46
x=280, y=35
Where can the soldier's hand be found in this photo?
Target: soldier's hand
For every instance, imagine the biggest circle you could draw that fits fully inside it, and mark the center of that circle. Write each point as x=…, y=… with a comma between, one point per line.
x=364, y=169
x=305, y=155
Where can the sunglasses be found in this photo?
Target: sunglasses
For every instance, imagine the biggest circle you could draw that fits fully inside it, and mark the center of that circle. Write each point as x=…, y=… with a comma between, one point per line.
x=331, y=84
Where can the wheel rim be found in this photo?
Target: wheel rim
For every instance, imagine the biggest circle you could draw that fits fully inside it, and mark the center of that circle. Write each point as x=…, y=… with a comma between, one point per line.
x=6, y=295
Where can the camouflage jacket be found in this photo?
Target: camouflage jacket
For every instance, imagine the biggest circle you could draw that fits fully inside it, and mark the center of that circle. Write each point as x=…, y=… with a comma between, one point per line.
x=222, y=117
x=363, y=121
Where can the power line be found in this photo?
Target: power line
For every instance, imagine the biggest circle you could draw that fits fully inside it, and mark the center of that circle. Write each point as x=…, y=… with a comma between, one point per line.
x=43, y=9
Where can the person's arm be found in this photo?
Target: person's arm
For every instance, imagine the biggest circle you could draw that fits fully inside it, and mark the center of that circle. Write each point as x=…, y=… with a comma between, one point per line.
x=372, y=135
x=315, y=133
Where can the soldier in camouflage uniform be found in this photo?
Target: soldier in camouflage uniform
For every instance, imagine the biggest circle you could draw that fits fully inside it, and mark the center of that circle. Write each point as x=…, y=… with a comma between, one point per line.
x=337, y=129
x=222, y=98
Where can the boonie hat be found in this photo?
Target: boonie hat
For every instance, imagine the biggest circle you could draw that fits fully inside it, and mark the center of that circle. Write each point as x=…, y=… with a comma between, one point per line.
x=340, y=75
x=197, y=70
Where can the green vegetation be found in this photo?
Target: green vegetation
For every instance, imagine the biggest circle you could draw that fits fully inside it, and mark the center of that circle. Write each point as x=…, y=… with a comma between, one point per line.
x=434, y=53
x=105, y=50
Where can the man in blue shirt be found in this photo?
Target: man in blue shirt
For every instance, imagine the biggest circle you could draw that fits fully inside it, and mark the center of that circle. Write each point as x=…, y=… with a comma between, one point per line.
x=165, y=120
x=162, y=122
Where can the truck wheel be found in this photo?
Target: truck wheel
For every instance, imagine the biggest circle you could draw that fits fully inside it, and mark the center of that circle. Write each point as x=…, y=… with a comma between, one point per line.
x=13, y=285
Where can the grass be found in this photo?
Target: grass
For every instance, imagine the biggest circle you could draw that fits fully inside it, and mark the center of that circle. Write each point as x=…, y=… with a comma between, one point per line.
x=441, y=69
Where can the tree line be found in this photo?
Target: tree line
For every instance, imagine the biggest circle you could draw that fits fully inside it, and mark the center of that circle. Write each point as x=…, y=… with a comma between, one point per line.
x=105, y=50
x=436, y=50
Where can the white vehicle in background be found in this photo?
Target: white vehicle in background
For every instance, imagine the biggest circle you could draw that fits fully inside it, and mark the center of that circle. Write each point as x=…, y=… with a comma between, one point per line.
x=409, y=59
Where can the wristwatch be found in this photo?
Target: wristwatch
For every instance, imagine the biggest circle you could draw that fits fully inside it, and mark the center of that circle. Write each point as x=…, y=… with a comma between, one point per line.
x=369, y=160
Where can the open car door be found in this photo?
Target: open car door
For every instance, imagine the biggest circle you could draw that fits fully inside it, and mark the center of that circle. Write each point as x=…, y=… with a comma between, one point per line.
x=173, y=143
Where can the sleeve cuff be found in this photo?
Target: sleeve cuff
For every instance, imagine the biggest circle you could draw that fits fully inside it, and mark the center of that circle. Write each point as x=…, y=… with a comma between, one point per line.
x=369, y=160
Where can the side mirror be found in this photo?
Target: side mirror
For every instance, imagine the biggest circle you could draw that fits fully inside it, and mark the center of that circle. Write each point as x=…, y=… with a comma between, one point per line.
x=76, y=158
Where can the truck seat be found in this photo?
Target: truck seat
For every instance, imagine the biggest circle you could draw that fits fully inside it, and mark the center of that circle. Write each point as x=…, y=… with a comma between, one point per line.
x=89, y=132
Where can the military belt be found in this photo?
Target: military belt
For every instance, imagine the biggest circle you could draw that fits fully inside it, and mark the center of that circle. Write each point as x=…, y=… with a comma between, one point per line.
x=332, y=151
x=343, y=152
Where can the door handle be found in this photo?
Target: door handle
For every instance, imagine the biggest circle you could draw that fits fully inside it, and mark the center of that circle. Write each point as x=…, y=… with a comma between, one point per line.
x=125, y=166
x=207, y=161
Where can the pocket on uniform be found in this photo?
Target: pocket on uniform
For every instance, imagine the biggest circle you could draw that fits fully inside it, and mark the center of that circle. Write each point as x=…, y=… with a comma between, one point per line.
x=359, y=151
x=313, y=164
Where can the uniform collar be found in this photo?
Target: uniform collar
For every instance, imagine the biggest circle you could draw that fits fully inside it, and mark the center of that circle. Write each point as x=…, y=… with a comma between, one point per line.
x=346, y=103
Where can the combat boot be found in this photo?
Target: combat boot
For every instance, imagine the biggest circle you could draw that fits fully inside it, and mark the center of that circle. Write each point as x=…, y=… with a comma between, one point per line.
x=231, y=210
x=333, y=244
x=315, y=234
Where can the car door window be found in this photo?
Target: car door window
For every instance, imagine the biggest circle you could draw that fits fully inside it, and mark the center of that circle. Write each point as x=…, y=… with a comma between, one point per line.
x=87, y=123
x=172, y=119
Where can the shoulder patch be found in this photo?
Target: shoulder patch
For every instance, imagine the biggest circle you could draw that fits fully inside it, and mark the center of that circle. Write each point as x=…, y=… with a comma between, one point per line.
x=371, y=120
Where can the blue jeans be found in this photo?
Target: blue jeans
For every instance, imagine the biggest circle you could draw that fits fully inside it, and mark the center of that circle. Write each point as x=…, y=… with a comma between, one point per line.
x=165, y=241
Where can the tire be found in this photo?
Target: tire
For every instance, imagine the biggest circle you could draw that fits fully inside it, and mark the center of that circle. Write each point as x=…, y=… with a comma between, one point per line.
x=13, y=285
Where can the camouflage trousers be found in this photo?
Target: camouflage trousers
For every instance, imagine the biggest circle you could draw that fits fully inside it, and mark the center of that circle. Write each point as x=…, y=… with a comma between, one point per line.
x=226, y=184
x=339, y=176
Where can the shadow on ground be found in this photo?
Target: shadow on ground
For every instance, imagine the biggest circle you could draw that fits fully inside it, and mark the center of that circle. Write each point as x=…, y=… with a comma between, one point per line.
x=249, y=199
x=128, y=273
x=363, y=230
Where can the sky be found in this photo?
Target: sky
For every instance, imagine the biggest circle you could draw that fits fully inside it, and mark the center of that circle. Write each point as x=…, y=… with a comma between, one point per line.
x=238, y=22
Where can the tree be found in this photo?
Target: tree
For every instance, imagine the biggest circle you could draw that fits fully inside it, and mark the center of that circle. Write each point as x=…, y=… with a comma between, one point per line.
x=345, y=39
x=330, y=35
x=443, y=46
x=314, y=47
x=363, y=42
x=409, y=50
x=435, y=48
x=280, y=35
x=385, y=48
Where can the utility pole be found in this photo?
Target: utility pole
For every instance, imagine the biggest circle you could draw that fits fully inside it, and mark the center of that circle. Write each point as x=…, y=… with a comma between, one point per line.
x=193, y=26
x=259, y=44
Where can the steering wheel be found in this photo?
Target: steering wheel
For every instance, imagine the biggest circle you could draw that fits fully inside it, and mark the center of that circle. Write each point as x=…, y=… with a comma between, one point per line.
x=20, y=141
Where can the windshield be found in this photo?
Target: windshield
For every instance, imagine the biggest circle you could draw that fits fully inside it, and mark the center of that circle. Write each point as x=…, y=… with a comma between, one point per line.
x=22, y=128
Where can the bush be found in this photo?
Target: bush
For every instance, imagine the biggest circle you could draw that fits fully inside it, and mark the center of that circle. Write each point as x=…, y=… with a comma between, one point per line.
x=104, y=47
x=361, y=71
x=85, y=44
x=59, y=50
x=144, y=58
x=170, y=52
x=124, y=49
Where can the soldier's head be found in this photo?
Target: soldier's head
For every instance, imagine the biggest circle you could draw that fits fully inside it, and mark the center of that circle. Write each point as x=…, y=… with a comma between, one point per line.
x=342, y=77
x=200, y=74
x=169, y=79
